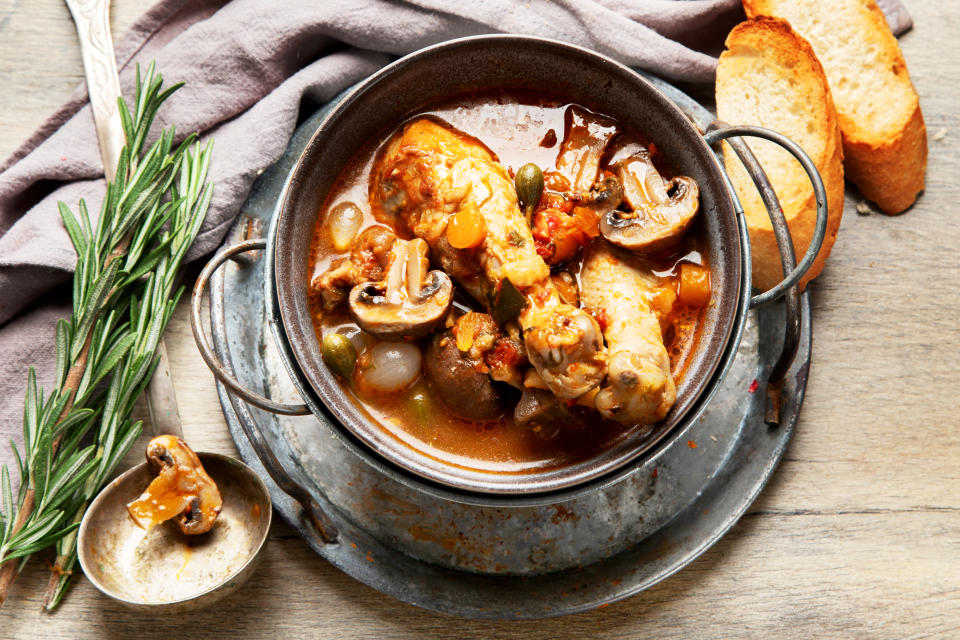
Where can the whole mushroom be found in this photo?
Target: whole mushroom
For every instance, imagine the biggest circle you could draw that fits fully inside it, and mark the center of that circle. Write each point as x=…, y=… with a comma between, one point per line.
x=661, y=210
x=459, y=380
x=410, y=302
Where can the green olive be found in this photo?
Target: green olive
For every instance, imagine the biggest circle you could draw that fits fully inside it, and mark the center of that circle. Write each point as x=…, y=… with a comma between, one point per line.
x=339, y=354
x=529, y=183
x=420, y=404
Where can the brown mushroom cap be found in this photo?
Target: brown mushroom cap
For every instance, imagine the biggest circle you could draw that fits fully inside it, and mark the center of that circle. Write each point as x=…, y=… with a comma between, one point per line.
x=410, y=302
x=459, y=381
x=662, y=210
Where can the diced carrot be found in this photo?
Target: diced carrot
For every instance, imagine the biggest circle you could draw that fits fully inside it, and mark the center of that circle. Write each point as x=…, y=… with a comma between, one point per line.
x=466, y=329
x=694, y=285
x=466, y=229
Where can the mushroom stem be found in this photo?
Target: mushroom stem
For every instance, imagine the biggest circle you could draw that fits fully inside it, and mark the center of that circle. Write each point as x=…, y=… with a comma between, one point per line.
x=397, y=273
x=417, y=265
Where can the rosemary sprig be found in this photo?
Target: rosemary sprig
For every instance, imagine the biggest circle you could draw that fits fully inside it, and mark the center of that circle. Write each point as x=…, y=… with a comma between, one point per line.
x=122, y=299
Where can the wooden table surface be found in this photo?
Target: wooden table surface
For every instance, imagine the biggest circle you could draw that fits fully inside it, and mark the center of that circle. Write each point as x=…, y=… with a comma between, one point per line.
x=858, y=533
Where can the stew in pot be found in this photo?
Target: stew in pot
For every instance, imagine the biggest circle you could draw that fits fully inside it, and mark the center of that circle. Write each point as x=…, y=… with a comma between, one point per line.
x=509, y=282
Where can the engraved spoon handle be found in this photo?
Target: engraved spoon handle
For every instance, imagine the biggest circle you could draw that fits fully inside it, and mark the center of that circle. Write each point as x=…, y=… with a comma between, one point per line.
x=92, y=18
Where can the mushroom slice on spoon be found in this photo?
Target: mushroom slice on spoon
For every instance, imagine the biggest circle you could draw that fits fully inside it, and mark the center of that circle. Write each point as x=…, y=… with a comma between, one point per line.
x=182, y=489
x=662, y=210
x=410, y=302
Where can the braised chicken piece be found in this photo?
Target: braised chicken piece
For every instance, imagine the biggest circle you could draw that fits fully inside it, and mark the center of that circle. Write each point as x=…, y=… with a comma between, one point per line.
x=450, y=190
x=368, y=261
x=639, y=388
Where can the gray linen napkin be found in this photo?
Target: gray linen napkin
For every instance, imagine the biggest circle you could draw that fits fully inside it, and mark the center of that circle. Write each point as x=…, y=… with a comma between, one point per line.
x=248, y=65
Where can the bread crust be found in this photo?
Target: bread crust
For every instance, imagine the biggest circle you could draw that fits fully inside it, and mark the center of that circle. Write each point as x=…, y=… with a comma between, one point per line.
x=800, y=72
x=888, y=163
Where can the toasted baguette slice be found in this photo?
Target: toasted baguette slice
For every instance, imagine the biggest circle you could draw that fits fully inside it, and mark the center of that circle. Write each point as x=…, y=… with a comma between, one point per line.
x=769, y=76
x=884, y=138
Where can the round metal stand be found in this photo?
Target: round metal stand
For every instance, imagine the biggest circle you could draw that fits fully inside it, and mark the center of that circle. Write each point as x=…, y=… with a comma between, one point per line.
x=506, y=562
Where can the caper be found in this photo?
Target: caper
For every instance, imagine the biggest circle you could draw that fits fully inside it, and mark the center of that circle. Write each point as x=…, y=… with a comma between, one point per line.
x=339, y=354
x=529, y=183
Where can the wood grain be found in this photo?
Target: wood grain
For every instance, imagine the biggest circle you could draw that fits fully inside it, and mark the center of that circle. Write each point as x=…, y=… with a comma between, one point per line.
x=858, y=534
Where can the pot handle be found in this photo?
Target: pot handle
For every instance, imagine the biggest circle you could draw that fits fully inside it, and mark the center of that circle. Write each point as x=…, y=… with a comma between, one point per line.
x=219, y=371
x=324, y=525
x=787, y=287
x=718, y=131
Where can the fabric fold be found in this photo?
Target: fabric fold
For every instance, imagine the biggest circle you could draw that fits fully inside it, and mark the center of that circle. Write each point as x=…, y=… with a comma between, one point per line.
x=247, y=66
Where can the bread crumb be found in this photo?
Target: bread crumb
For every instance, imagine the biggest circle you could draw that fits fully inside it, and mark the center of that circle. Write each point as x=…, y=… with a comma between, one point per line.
x=863, y=209
x=940, y=134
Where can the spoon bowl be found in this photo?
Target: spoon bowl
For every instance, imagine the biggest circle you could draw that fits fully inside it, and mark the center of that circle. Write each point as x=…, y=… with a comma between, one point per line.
x=162, y=569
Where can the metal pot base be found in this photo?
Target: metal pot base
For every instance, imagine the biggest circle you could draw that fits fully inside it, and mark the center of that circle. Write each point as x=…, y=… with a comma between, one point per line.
x=579, y=551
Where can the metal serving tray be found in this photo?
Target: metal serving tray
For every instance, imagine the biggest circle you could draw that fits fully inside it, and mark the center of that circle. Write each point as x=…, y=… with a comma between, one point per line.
x=424, y=546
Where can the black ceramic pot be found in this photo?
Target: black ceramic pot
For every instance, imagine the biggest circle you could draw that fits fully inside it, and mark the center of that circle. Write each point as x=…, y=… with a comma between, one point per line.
x=405, y=87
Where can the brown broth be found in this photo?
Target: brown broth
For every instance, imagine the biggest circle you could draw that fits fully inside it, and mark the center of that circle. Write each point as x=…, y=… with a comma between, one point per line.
x=513, y=126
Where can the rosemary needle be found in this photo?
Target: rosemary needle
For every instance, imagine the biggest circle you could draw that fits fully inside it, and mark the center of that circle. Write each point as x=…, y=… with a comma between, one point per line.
x=123, y=296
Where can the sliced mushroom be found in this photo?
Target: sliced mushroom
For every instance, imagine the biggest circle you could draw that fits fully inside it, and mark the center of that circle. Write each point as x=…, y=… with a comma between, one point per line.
x=410, y=302
x=181, y=490
x=585, y=139
x=661, y=210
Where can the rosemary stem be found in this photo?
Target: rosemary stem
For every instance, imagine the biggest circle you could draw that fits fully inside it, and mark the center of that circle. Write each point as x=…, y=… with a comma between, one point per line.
x=8, y=572
x=106, y=348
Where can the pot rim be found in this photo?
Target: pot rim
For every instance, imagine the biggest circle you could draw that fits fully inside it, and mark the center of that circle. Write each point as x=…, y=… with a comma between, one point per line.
x=321, y=400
